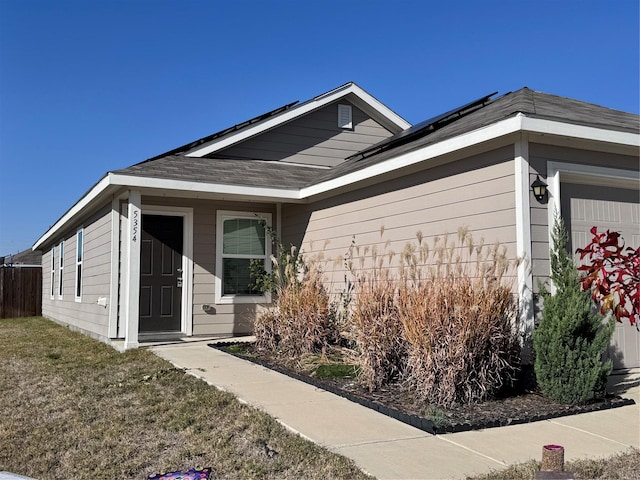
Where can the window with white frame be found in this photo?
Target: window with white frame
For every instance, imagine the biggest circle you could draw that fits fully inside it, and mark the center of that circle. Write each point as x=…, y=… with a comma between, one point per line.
x=53, y=272
x=79, y=256
x=60, y=269
x=243, y=248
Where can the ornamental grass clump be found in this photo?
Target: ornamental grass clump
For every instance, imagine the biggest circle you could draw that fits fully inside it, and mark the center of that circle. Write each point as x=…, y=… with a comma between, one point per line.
x=462, y=344
x=301, y=320
x=459, y=321
x=445, y=322
x=374, y=325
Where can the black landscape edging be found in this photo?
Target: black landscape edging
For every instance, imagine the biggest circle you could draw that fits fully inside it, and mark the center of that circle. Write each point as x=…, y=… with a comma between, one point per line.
x=422, y=423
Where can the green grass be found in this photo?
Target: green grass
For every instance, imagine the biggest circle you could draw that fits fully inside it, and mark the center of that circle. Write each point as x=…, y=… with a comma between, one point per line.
x=72, y=407
x=336, y=370
x=624, y=466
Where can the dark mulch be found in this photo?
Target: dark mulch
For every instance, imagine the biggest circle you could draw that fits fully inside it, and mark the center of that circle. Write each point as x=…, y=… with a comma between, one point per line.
x=521, y=404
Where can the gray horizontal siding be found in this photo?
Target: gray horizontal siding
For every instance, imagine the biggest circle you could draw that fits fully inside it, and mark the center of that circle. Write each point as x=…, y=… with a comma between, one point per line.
x=313, y=139
x=86, y=314
x=477, y=193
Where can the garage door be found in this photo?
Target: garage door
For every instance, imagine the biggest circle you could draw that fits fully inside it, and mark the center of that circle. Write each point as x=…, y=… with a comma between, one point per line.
x=585, y=206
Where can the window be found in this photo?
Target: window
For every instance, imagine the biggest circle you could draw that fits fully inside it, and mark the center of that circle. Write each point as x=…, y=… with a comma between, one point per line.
x=344, y=117
x=242, y=241
x=60, y=268
x=53, y=272
x=79, y=254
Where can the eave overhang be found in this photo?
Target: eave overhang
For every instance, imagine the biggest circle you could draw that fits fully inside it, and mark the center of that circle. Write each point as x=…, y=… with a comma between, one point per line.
x=607, y=140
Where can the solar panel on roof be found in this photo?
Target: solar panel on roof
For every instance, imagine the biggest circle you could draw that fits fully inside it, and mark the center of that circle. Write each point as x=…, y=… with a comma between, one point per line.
x=424, y=128
x=221, y=133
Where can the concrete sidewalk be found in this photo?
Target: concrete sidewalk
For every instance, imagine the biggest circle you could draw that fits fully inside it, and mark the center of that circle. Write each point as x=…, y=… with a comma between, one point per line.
x=389, y=449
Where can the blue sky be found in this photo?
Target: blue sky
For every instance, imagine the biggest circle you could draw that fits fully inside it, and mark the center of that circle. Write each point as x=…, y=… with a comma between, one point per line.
x=92, y=86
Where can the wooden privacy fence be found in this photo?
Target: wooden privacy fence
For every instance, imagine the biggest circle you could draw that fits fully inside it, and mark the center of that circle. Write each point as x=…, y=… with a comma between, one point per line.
x=20, y=292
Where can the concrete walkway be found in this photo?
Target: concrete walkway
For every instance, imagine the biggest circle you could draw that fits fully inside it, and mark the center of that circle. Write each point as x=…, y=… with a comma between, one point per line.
x=388, y=449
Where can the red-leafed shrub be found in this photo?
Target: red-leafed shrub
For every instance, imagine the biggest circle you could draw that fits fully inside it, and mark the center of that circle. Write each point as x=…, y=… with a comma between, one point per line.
x=612, y=273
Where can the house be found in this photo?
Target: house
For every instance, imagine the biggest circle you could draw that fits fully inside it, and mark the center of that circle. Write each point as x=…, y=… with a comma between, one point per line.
x=25, y=259
x=21, y=284
x=162, y=248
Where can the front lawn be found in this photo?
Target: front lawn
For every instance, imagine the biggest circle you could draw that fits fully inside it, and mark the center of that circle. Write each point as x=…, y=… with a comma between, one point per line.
x=72, y=407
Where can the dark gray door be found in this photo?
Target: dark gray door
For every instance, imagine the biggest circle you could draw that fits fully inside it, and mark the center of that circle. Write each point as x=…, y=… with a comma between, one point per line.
x=161, y=273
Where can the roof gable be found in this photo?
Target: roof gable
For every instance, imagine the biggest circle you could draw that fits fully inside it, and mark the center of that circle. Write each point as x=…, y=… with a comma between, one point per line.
x=195, y=168
x=312, y=139
x=352, y=92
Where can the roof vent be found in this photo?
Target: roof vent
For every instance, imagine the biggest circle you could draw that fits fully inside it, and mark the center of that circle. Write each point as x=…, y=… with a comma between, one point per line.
x=344, y=117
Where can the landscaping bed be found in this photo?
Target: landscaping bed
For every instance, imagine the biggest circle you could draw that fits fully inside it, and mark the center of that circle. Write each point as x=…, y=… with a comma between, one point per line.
x=522, y=404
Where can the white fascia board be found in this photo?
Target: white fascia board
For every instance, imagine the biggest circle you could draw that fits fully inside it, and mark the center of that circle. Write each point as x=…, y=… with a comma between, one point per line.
x=217, y=188
x=380, y=107
x=552, y=127
x=299, y=111
x=86, y=200
x=475, y=137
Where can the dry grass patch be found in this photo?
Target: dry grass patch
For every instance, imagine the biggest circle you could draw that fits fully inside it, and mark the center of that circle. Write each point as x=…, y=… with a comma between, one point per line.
x=624, y=466
x=75, y=408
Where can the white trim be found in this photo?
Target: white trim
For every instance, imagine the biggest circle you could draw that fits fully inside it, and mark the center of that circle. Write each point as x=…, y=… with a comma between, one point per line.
x=563, y=129
x=53, y=273
x=61, y=261
x=124, y=261
x=300, y=110
x=523, y=234
x=559, y=171
x=218, y=188
x=115, y=266
x=80, y=262
x=519, y=123
x=221, y=215
x=84, y=202
x=186, y=324
x=131, y=304
x=469, y=139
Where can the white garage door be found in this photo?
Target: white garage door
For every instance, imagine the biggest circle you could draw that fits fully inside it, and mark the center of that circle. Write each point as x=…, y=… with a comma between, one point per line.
x=585, y=206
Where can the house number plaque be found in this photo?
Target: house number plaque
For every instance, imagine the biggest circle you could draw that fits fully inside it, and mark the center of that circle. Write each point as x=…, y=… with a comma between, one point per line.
x=135, y=225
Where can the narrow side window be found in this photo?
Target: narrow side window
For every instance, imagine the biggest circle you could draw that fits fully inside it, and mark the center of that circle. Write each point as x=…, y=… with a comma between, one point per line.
x=79, y=256
x=60, y=269
x=53, y=272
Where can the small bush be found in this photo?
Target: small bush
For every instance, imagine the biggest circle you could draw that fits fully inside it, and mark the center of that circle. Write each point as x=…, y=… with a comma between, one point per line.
x=377, y=330
x=572, y=337
x=463, y=345
x=265, y=329
x=304, y=322
x=301, y=320
x=446, y=323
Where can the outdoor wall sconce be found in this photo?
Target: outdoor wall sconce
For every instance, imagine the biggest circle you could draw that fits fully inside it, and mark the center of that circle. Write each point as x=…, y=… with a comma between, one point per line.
x=539, y=189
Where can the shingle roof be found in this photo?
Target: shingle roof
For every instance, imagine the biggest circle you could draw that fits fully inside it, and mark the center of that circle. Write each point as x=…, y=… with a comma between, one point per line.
x=529, y=102
x=226, y=131
x=258, y=173
x=251, y=173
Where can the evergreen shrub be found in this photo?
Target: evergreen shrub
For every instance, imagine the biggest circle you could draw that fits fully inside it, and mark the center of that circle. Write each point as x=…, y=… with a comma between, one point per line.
x=571, y=339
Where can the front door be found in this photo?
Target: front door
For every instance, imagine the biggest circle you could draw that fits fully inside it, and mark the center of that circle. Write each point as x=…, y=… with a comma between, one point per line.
x=161, y=273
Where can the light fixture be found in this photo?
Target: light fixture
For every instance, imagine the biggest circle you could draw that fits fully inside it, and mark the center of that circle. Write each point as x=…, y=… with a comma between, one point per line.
x=539, y=189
